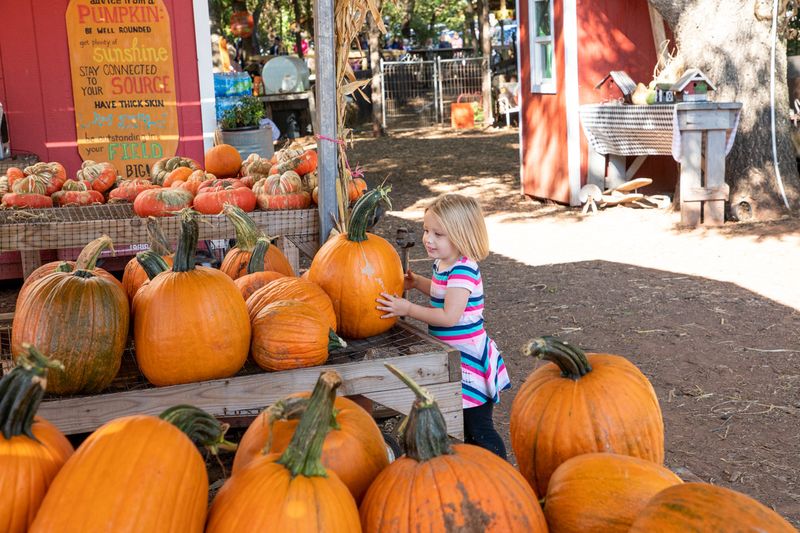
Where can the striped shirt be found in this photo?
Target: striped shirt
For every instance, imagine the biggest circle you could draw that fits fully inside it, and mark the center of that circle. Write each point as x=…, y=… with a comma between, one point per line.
x=483, y=372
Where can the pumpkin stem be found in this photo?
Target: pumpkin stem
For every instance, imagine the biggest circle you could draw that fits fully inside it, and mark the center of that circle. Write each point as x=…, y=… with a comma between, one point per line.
x=158, y=241
x=289, y=408
x=63, y=266
x=364, y=210
x=247, y=233
x=152, y=263
x=87, y=260
x=425, y=431
x=256, y=263
x=570, y=359
x=187, y=242
x=335, y=341
x=302, y=457
x=21, y=392
x=201, y=427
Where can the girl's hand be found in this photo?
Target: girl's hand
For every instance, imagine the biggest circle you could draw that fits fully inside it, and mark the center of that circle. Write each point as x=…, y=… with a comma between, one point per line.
x=393, y=305
x=409, y=281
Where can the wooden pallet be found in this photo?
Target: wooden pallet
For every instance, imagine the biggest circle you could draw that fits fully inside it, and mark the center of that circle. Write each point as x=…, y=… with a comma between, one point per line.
x=33, y=230
x=431, y=363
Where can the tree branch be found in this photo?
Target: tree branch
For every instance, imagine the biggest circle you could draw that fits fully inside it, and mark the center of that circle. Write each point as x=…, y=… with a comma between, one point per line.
x=671, y=10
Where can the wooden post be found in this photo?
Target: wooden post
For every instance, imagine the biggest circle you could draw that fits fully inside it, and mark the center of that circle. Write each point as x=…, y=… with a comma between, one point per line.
x=325, y=59
x=691, y=149
x=616, y=171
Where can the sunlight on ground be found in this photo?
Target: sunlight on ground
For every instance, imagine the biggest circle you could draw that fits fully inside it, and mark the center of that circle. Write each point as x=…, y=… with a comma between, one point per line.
x=644, y=238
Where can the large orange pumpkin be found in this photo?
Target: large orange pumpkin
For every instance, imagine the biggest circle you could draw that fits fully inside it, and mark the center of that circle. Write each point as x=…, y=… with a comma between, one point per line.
x=354, y=447
x=256, y=276
x=290, y=288
x=602, y=492
x=291, y=334
x=224, y=161
x=439, y=487
x=190, y=323
x=293, y=491
x=237, y=259
x=77, y=318
x=136, y=473
x=701, y=507
x=66, y=266
x=32, y=450
x=582, y=404
x=353, y=268
x=134, y=275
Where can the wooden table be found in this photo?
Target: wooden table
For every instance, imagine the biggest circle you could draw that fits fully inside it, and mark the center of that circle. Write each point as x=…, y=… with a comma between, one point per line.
x=702, y=131
x=431, y=363
x=33, y=230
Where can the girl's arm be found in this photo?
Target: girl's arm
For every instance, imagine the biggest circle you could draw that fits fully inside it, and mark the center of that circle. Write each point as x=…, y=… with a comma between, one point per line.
x=415, y=281
x=455, y=301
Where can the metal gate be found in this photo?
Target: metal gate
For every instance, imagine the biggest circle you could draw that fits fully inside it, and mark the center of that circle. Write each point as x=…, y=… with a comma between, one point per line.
x=419, y=93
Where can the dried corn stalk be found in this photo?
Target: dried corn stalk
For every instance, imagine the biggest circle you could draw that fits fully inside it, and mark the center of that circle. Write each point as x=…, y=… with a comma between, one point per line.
x=349, y=19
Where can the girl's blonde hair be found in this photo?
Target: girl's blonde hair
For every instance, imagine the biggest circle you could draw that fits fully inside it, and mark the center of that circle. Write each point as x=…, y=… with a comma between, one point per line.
x=462, y=219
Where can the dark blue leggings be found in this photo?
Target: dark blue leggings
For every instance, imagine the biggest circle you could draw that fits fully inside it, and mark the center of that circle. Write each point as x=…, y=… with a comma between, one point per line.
x=479, y=429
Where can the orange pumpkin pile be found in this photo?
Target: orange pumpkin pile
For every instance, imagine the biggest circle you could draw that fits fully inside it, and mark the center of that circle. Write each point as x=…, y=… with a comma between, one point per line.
x=286, y=181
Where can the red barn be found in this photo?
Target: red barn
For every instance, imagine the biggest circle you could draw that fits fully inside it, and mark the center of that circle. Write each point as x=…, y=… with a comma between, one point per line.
x=565, y=48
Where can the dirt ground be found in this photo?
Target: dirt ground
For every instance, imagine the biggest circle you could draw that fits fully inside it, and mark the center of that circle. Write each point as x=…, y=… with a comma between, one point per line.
x=709, y=315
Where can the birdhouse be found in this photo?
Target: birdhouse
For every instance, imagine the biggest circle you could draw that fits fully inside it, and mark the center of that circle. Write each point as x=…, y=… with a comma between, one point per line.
x=664, y=93
x=624, y=82
x=693, y=86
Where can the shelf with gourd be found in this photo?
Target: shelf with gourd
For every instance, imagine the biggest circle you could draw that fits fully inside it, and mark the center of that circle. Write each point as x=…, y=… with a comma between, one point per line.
x=233, y=339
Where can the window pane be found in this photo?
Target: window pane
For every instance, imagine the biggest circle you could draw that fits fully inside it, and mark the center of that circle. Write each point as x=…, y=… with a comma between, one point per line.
x=544, y=52
x=542, y=9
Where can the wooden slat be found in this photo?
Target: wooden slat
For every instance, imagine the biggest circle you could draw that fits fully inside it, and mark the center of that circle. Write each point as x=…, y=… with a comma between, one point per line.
x=692, y=142
x=705, y=194
x=705, y=120
x=714, y=210
x=56, y=235
x=31, y=260
x=448, y=397
x=635, y=166
x=659, y=34
x=616, y=171
x=227, y=396
x=596, y=173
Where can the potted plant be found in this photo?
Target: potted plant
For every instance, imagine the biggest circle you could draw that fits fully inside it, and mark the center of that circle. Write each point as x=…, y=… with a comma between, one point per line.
x=240, y=126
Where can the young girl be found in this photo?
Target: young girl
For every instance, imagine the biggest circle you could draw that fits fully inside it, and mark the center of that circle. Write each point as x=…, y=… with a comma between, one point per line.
x=455, y=237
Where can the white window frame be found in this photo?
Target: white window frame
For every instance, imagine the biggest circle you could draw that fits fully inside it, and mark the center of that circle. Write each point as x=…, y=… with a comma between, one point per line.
x=539, y=84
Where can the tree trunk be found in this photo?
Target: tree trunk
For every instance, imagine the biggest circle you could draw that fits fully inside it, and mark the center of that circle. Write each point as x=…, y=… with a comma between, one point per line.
x=405, y=29
x=257, y=12
x=469, y=23
x=377, y=80
x=486, y=51
x=727, y=41
x=298, y=36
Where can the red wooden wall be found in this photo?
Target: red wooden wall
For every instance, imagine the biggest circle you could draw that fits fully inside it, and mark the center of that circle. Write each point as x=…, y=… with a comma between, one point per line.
x=36, y=88
x=544, y=144
x=616, y=35
x=612, y=35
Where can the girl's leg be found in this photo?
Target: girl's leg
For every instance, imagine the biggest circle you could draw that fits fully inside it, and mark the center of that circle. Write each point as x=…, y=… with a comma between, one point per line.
x=479, y=429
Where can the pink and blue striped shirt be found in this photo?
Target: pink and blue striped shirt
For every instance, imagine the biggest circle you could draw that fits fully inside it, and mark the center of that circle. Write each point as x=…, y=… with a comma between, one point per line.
x=483, y=372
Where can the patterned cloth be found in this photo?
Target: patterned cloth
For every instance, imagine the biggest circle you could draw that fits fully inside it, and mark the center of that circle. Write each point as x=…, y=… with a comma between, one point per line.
x=483, y=372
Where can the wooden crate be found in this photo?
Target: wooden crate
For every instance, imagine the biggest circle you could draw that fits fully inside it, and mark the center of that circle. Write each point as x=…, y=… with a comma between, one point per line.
x=431, y=363
x=33, y=230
